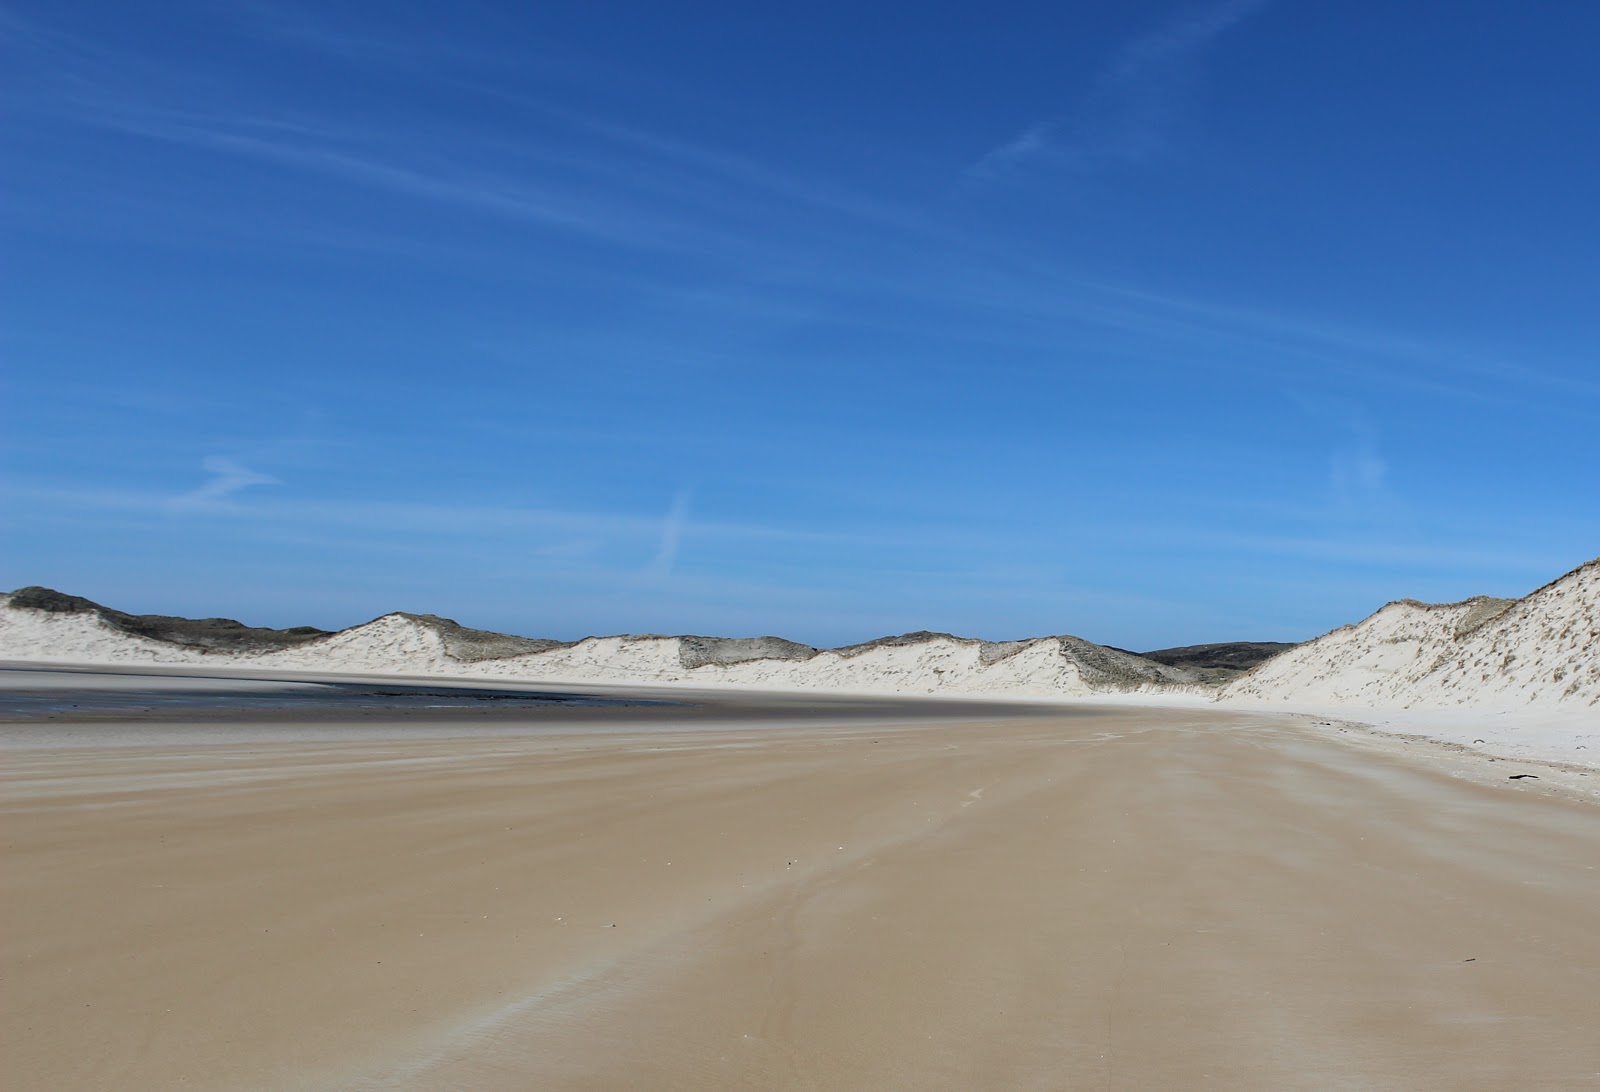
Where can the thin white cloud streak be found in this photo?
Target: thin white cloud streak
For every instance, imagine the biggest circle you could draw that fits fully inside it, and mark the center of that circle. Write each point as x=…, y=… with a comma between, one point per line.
x=959, y=273
x=1430, y=556
x=1357, y=486
x=1014, y=287
x=327, y=150
x=672, y=528
x=19, y=29
x=123, y=83
x=424, y=519
x=1174, y=41
x=515, y=200
x=425, y=55
x=726, y=165
x=309, y=29
x=1130, y=111
x=1345, y=342
x=652, y=190
x=535, y=540
x=297, y=25
x=1358, y=477
x=1032, y=141
x=1061, y=305
x=227, y=478
x=612, y=202
x=1369, y=354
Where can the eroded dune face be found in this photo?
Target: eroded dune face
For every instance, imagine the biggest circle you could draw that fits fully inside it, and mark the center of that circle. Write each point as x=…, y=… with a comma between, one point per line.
x=1542, y=650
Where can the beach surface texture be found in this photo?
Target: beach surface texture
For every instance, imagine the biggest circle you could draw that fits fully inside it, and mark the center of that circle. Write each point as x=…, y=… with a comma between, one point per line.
x=411, y=855
x=738, y=891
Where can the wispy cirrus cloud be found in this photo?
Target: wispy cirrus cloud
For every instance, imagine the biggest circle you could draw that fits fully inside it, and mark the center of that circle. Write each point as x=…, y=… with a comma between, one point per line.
x=227, y=478
x=1035, y=140
x=672, y=528
x=424, y=519
x=645, y=193
x=545, y=164
x=307, y=148
x=1134, y=105
x=1439, y=362
x=1358, y=476
x=730, y=167
x=311, y=29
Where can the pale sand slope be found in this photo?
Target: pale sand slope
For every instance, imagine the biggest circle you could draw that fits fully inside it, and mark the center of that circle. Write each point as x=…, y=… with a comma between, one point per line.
x=1130, y=899
x=1519, y=678
x=1541, y=652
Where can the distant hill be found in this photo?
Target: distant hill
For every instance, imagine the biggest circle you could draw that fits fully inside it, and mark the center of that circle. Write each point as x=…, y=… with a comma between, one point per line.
x=1220, y=662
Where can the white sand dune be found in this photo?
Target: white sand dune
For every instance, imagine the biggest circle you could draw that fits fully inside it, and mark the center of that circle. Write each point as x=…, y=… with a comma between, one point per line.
x=1518, y=676
x=1512, y=677
x=404, y=644
x=1541, y=651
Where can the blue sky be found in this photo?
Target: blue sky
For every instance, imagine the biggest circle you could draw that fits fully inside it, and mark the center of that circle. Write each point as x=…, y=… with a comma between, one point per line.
x=1150, y=322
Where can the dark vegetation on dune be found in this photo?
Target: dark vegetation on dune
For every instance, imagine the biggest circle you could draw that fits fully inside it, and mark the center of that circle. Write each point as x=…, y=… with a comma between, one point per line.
x=229, y=635
x=1219, y=662
x=696, y=652
x=472, y=645
x=220, y=634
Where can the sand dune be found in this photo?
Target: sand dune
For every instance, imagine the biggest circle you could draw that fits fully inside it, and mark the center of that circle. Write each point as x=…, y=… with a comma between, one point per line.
x=408, y=644
x=1542, y=650
x=1514, y=676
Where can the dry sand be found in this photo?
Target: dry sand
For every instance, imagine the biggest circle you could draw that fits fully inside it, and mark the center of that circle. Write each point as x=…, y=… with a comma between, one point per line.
x=1121, y=898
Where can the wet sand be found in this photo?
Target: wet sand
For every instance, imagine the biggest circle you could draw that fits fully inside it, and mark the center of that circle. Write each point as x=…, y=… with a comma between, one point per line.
x=1120, y=898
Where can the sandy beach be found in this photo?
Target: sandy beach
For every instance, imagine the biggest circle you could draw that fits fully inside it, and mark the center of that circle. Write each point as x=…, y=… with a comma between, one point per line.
x=998, y=897
x=556, y=547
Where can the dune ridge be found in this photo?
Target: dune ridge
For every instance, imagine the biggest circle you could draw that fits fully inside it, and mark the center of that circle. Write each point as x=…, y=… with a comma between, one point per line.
x=1540, y=652
x=419, y=644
